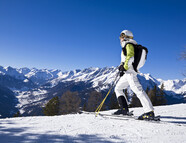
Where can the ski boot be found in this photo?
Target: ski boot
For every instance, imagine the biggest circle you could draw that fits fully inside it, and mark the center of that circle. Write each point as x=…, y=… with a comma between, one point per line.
x=123, y=107
x=147, y=116
x=121, y=112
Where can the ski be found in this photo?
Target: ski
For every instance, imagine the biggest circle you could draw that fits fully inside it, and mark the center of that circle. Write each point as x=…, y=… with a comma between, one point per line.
x=118, y=117
x=130, y=115
x=112, y=117
x=124, y=117
x=135, y=118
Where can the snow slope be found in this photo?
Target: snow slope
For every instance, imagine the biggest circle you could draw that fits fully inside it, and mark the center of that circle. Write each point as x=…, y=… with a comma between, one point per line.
x=86, y=128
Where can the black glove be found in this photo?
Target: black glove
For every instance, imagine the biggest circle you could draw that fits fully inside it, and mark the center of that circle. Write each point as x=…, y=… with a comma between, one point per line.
x=121, y=69
x=121, y=73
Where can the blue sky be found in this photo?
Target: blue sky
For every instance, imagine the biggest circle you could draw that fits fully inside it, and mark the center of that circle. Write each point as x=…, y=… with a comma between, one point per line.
x=77, y=34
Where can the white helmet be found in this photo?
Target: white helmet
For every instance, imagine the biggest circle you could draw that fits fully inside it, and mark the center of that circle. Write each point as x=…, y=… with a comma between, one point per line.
x=126, y=34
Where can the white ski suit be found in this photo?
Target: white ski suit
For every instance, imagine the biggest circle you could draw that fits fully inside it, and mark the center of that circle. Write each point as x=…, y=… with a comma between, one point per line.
x=130, y=79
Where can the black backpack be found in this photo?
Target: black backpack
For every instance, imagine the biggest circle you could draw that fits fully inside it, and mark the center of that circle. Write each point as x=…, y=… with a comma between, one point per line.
x=140, y=55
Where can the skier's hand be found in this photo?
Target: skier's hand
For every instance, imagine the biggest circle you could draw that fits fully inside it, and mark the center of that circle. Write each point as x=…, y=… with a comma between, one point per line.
x=121, y=73
x=121, y=68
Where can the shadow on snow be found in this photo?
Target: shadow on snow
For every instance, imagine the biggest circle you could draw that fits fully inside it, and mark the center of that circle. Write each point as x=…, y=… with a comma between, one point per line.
x=178, y=120
x=21, y=135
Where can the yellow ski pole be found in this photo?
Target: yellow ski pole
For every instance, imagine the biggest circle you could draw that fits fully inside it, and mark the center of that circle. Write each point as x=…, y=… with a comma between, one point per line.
x=100, y=106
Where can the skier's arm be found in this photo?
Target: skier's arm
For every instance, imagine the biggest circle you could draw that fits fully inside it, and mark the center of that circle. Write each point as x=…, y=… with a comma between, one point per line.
x=130, y=54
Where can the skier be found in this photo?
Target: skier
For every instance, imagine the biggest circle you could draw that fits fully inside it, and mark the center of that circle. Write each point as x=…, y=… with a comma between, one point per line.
x=128, y=77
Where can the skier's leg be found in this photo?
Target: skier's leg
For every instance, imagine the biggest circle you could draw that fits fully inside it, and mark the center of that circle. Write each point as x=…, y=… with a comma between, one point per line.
x=122, y=100
x=140, y=93
x=122, y=84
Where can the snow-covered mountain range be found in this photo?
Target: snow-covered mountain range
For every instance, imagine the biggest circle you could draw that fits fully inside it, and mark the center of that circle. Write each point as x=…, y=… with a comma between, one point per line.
x=34, y=87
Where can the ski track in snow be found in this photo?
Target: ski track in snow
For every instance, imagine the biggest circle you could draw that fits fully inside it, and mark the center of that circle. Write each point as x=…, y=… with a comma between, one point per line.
x=86, y=128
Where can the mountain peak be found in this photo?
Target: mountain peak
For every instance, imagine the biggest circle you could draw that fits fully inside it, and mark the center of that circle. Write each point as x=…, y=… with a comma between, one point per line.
x=95, y=75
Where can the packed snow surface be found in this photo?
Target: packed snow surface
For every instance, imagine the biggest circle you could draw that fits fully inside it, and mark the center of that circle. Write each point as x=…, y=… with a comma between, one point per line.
x=86, y=128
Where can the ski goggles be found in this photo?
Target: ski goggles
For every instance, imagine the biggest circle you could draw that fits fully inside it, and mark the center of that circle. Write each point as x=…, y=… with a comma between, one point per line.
x=123, y=36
